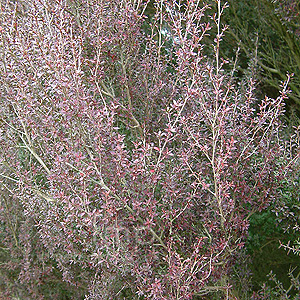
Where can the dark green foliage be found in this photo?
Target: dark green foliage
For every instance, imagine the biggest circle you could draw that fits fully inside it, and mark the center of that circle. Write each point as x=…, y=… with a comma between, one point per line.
x=266, y=33
x=263, y=243
x=270, y=229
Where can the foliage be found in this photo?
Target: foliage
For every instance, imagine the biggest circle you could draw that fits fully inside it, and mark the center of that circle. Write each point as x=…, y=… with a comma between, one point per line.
x=276, y=226
x=131, y=160
x=268, y=31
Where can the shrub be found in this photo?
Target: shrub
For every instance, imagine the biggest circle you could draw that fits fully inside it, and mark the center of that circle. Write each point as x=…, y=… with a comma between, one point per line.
x=131, y=161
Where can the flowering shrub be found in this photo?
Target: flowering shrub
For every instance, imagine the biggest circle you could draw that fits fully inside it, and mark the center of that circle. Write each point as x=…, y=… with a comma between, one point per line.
x=131, y=161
